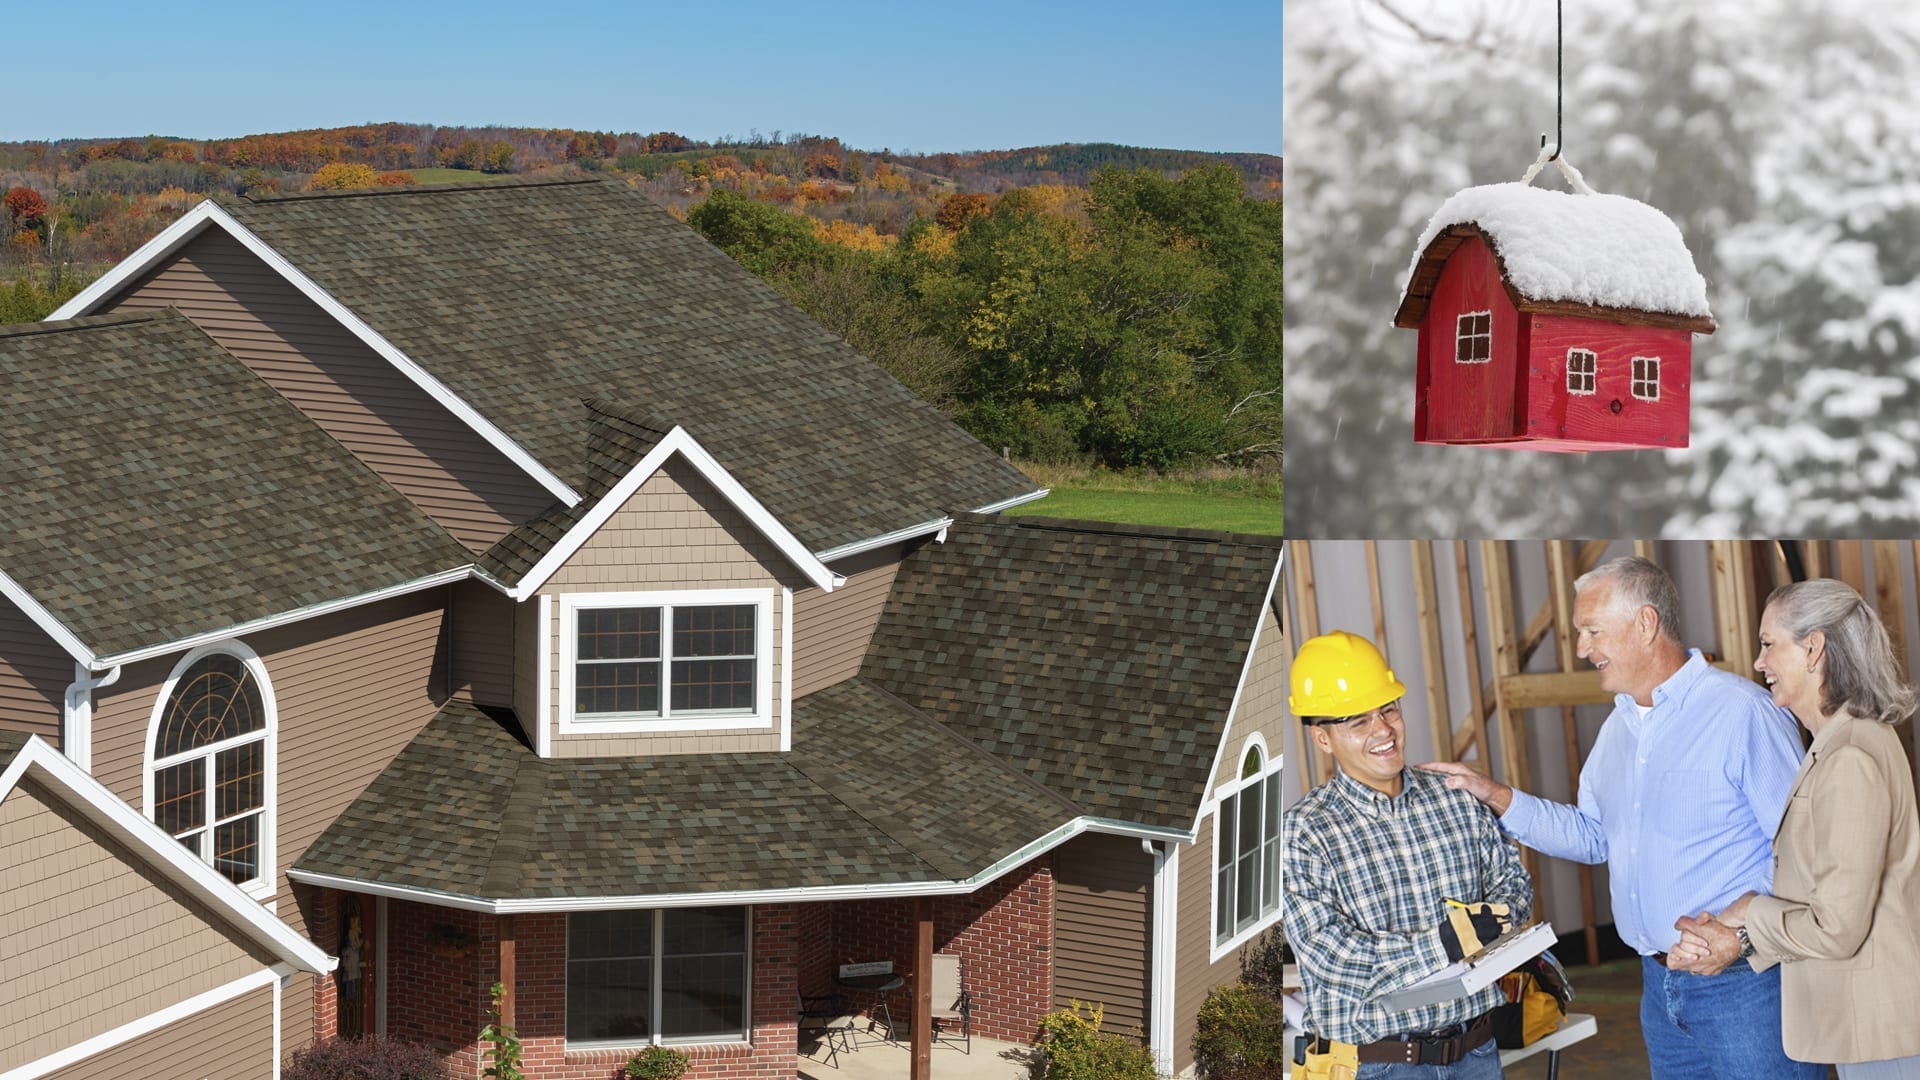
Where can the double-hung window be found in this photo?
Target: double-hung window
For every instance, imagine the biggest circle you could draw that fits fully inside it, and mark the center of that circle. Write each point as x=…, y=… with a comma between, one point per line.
x=1246, y=882
x=666, y=661
x=672, y=975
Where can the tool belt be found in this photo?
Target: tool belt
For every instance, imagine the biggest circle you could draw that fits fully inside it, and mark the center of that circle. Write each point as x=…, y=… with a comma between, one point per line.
x=1537, y=998
x=1445, y=1047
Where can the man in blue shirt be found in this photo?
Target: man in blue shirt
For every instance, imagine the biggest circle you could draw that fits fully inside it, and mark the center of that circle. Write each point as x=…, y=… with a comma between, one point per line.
x=1680, y=798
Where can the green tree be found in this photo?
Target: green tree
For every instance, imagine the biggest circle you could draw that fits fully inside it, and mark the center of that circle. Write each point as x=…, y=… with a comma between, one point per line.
x=763, y=238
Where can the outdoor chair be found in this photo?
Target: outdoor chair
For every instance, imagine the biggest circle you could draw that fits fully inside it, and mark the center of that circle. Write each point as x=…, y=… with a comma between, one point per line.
x=829, y=1018
x=951, y=1001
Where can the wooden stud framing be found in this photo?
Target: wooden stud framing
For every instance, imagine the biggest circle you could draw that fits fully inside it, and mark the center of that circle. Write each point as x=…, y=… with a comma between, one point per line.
x=1475, y=729
x=1432, y=656
x=1888, y=594
x=1306, y=602
x=1560, y=581
x=1379, y=605
x=1498, y=586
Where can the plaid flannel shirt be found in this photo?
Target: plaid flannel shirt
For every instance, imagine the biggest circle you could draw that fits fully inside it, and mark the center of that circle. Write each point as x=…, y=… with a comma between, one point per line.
x=1366, y=877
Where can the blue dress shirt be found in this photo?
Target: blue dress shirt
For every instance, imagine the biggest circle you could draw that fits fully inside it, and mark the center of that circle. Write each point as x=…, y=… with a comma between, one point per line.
x=1681, y=804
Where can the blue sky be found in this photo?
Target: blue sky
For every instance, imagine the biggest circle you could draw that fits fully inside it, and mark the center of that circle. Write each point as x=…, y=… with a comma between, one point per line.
x=898, y=75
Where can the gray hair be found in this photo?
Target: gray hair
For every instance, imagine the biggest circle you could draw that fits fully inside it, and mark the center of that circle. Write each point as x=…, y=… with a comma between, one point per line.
x=1860, y=672
x=1638, y=583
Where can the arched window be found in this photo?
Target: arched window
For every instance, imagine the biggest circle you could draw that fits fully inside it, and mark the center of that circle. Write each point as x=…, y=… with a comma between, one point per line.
x=1246, y=879
x=210, y=762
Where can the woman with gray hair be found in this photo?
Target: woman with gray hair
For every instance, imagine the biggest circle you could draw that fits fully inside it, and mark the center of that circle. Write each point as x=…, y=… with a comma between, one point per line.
x=1844, y=917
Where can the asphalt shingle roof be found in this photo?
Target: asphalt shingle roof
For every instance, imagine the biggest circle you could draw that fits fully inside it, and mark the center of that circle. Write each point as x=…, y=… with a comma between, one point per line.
x=156, y=488
x=1099, y=659
x=526, y=297
x=867, y=796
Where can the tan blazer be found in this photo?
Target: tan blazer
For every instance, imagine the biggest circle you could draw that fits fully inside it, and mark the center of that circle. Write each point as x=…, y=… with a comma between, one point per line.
x=1844, y=920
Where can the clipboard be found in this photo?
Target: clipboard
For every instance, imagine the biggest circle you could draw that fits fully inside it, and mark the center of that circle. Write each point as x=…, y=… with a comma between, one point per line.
x=1464, y=978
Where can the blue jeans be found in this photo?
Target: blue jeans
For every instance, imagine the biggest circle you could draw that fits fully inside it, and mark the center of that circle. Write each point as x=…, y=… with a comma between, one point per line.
x=1481, y=1063
x=1716, y=1027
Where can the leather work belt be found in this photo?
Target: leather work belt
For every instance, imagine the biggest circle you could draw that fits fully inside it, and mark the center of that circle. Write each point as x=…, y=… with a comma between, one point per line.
x=1438, y=1048
x=1659, y=958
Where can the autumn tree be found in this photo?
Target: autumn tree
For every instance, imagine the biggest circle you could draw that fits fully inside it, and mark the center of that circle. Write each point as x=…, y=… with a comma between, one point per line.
x=960, y=208
x=24, y=207
x=343, y=176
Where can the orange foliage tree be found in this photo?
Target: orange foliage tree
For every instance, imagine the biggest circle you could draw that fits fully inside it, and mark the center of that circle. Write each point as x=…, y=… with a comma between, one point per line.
x=342, y=176
x=961, y=208
x=24, y=206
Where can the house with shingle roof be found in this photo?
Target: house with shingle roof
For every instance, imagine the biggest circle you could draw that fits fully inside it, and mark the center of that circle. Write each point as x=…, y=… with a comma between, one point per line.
x=495, y=583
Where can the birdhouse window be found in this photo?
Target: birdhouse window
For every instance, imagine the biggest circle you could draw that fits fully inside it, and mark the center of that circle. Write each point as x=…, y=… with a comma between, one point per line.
x=1583, y=369
x=1646, y=378
x=1473, y=339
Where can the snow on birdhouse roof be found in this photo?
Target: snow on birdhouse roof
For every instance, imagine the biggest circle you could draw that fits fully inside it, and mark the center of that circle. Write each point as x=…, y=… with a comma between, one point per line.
x=1604, y=251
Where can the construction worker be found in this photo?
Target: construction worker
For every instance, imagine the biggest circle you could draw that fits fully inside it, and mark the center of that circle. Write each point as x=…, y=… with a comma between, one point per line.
x=1389, y=877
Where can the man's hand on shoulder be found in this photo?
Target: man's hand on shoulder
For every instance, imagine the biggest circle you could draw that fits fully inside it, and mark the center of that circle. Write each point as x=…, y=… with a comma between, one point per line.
x=1496, y=795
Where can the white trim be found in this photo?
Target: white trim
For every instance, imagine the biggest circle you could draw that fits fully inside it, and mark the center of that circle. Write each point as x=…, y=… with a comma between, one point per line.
x=44, y=619
x=261, y=888
x=153, y=1022
x=1239, y=690
x=677, y=441
x=1008, y=504
x=165, y=854
x=786, y=669
x=1634, y=380
x=279, y=987
x=1591, y=375
x=937, y=527
x=705, y=720
x=1458, y=336
x=992, y=873
x=1269, y=768
x=1160, y=975
x=76, y=720
x=543, y=682
x=211, y=213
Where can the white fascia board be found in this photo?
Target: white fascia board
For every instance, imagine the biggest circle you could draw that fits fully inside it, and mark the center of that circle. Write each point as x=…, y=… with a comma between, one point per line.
x=211, y=213
x=149, y=1024
x=1253, y=649
x=1017, y=500
x=928, y=528
x=678, y=441
x=44, y=619
x=166, y=854
x=268, y=622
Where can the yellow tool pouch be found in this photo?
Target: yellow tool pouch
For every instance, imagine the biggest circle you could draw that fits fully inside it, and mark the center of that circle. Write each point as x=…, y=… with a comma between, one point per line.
x=1341, y=1061
x=1537, y=997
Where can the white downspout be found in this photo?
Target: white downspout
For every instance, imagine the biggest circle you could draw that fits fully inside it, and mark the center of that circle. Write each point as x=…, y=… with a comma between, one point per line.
x=1161, y=980
x=76, y=728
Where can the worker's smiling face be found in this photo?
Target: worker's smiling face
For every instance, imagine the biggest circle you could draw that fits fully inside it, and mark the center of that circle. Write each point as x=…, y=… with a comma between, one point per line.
x=1610, y=637
x=1371, y=748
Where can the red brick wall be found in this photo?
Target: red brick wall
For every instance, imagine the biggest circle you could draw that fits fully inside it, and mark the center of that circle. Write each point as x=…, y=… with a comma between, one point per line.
x=440, y=970
x=1003, y=933
x=814, y=927
x=321, y=909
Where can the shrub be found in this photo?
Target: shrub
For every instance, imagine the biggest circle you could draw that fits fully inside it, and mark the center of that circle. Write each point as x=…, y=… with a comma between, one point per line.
x=370, y=1057
x=1073, y=1047
x=657, y=1063
x=1261, y=962
x=1239, y=1035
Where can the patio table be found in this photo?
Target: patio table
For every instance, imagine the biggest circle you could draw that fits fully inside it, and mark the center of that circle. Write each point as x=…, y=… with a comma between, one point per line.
x=875, y=988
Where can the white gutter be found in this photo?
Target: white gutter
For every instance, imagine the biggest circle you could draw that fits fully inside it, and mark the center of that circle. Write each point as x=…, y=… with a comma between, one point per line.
x=76, y=729
x=1166, y=870
x=928, y=528
x=1008, y=504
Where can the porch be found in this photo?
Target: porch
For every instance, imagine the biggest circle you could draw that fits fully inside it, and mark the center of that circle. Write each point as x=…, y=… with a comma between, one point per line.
x=878, y=1059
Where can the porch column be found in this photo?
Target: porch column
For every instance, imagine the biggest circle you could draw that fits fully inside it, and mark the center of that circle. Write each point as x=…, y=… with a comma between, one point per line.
x=504, y=927
x=923, y=989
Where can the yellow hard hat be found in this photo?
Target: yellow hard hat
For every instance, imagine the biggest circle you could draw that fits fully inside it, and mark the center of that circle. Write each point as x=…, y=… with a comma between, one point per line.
x=1341, y=674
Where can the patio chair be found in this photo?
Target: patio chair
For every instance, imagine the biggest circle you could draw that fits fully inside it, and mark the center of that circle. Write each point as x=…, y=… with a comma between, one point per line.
x=951, y=1001
x=830, y=1019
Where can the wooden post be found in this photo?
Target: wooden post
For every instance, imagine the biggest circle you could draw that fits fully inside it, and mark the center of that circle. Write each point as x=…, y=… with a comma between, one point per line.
x=1379, y=605
x=1498, y=586
x=923, y=989
x=504, y=926
x=1887, y=600
x=1560, y=580
x=1737, y=622
x=1542, y=621
x=1849, y=564
x=1644, y=549
x=1306, y=601
x=1816, y=558
x=1476, y=726
x=1432, y=658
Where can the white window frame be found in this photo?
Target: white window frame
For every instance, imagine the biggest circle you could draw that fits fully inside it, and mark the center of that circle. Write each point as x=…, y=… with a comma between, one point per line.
x=1459, y=325
x=1591, y=372
x=653, y=1019
x=1269, y=846
x=1635, y=380
x=760, y=716
x=261, y=888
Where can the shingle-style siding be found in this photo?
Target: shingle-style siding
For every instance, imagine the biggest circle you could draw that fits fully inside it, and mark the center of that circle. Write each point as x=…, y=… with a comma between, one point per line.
x=1102, y=928
x=483, y=654
x=34, y=673
x=412, y=441
x=831, y=630
x=230, y=1041
x=1261, y=707
x=90, y=936
x=677, y=532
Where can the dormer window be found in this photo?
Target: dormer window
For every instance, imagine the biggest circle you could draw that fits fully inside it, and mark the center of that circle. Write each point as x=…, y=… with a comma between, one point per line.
x=1646, y=378
x=1473, y=338
x=666, y=661
x=1583, y=369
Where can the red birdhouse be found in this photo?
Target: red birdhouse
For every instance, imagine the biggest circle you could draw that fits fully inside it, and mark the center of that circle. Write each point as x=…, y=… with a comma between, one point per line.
x=1553, y=321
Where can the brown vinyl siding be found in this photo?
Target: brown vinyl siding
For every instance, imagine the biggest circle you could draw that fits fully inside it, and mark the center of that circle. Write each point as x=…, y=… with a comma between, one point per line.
x=93, y=937
x=677, y=532
x=230, y=1041
x=831, y=630
x=1102, y=928
x=354, y=393
x=34, y=673
x=482, y=644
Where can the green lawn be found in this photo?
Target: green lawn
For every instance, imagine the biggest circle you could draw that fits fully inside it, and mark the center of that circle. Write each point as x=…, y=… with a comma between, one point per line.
x=1231, y=513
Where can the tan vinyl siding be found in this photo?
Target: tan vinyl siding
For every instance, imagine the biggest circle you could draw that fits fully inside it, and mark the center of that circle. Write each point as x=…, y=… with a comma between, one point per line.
x=1102, y=933
x=34, y=673
x=528, y=655
x=230, y=1041
x=92, y=937
x=1262, y=704
x=831, y=630
x=1194, y=975
x=482, y=644
x=411, y=440
x=677, y=532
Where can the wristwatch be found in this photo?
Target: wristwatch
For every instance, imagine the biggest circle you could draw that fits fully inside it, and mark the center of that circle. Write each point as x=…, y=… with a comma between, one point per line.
x=1746, y=943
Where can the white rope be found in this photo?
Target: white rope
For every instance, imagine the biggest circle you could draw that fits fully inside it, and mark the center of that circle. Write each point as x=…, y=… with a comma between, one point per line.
x=1551, y=153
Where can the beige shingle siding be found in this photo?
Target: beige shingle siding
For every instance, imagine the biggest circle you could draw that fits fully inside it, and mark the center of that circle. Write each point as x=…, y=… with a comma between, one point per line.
x=1262, y=704
x=34, y=673
x=230, y=1041
x=831, y=630
x=1102, y=933
x=352, y=392
x=91, y=937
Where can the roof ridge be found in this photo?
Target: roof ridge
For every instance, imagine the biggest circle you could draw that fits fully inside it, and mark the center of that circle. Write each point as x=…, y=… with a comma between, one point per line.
x=89, y=322
x=1126, y=529
x=420, y=189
